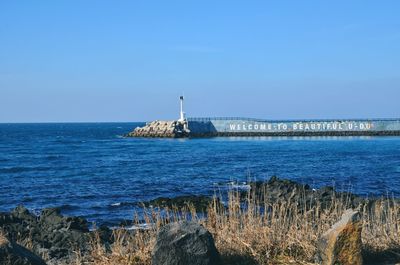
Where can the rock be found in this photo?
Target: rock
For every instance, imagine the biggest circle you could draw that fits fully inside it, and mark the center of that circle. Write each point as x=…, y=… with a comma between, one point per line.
x=23, y=213
x=185, y=243
x=282, y=190
x=200, y=203
x=51, y=234
x=105, y=234
x=14, y=254
x=342, y=243
x=52, y=218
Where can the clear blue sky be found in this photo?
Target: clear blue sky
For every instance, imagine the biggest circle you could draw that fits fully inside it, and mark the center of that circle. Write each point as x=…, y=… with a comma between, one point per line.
x=130, y=60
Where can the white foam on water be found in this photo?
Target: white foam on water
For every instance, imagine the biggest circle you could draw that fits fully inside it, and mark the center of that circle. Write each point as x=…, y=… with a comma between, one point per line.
x=240, y=186
x=144, y=226
x=234, y=185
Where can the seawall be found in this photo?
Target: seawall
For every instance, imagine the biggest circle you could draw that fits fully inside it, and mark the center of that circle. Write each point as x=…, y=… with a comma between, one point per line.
x=206, y=127
x=213, y=127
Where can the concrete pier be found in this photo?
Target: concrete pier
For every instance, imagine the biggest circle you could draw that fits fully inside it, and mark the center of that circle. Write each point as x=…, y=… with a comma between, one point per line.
x=236, y=126
x=212, y=127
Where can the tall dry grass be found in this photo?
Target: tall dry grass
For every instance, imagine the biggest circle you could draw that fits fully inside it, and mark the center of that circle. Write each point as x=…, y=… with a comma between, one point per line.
x=255, y=231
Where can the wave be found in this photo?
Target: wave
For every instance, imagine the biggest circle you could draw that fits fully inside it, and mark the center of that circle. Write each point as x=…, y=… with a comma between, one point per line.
x=233, y=185
x=22, y=169
x=53, y=157
x=144, y=226
x=122, y=204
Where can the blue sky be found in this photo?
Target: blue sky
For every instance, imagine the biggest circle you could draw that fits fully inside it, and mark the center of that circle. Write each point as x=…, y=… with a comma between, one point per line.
x=130, y=60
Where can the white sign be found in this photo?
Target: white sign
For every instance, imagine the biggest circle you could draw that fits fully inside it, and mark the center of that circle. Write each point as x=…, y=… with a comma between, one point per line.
x=301, y=126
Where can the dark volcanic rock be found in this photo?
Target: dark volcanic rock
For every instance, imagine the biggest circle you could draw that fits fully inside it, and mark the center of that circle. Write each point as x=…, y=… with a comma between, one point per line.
x=22, y=213
x=278, y=190
x=185, y=243
x=50, y=234
x=52, y=218
x=199, y=202
x=14, y=254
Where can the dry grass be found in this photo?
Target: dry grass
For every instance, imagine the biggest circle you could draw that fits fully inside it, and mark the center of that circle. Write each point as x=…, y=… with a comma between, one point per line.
x=3, y=239
x=255, y=231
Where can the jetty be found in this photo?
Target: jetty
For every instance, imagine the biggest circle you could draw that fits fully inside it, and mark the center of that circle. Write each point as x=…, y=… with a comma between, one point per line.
x=236, y=126
x=162, y=129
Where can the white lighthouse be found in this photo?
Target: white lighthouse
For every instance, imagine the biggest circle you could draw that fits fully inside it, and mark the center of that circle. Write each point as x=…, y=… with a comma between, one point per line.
x=182, y=117
x=182, y=114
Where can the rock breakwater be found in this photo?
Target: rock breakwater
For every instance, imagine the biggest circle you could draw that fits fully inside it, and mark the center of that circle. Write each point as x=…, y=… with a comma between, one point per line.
x=167, y=129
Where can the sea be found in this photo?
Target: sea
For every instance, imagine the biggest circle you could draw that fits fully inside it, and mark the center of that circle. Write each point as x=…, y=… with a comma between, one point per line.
x=92, y=170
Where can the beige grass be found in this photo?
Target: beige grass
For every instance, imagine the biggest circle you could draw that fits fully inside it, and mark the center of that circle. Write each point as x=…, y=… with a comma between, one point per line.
x=245, y=235
x=3, y=239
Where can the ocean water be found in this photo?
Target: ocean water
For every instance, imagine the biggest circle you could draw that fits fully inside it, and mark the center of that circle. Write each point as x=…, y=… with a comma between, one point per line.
x=90, y=170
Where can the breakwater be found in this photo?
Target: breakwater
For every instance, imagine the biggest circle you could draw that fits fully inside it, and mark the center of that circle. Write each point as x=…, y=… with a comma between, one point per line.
x=211, y=127
x=168, y=129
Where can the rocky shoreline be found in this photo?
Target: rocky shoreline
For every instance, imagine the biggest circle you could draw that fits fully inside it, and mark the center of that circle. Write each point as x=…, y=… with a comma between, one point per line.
x=57, y=238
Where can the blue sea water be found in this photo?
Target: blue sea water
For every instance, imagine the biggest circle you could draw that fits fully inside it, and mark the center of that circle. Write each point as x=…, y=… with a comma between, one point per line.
x=90, y=170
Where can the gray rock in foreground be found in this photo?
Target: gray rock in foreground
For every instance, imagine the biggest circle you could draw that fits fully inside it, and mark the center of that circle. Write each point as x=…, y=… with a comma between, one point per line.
x=14, y=254
x=185, y=243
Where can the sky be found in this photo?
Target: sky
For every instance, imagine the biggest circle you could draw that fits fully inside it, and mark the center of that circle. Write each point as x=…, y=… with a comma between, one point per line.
x=93, y=61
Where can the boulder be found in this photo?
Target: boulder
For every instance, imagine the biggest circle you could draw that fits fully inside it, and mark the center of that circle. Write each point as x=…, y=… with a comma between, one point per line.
x=342, y=243
x=23, y=213
x=185, y=243
x=14, y=254
x=52, y=218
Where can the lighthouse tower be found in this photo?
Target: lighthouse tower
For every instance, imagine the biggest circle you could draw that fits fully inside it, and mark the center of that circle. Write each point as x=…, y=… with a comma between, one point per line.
x=182, y=118
x=182, y=114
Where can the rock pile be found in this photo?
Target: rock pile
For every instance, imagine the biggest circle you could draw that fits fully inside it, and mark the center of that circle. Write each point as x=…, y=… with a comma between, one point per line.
x=49, y=235
x=168, y=129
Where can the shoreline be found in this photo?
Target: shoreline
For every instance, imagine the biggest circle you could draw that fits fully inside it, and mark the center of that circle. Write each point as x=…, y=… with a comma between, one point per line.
x=53, y=235
x=201, y=201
